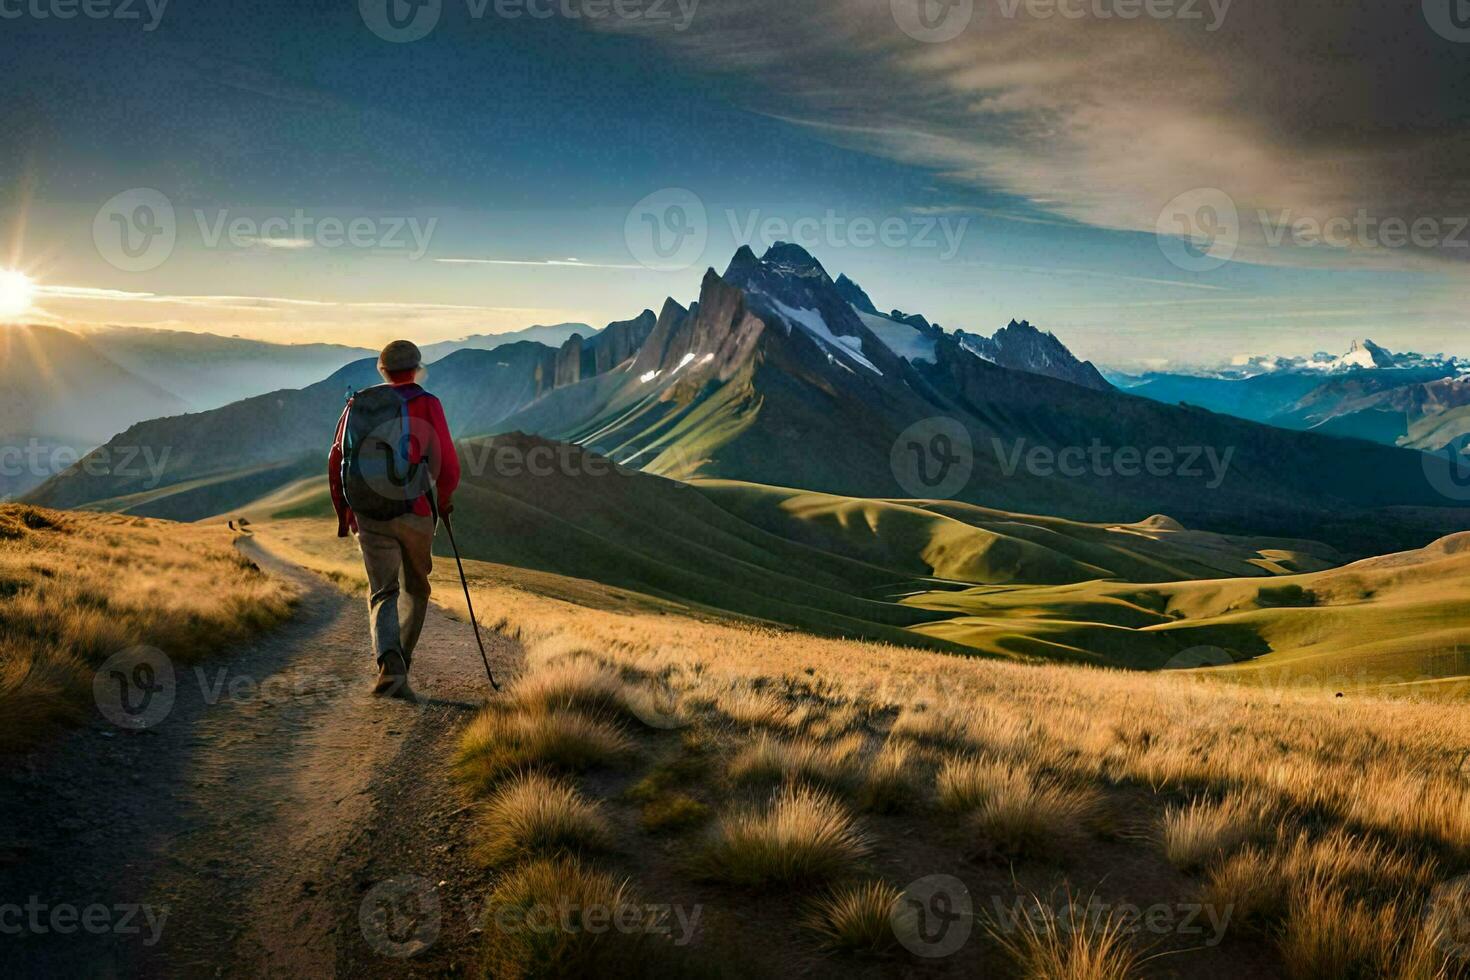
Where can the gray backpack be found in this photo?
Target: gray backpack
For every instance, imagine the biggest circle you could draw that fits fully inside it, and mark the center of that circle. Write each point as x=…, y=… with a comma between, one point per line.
x=379, y=478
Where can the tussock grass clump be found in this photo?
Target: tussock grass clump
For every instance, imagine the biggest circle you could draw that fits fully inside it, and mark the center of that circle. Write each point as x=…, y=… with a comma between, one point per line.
x=537, y=924
x=803, y=836
x=77, y=588
x=931, y=726
x=502, y=742
x=1326, y=935
x=1047, y=945
x=966, y=782
x=758, y=708
x=857, y=918
x=1261, y=885
x=769, y=759
x=890, y=784
x=1206, y=831
x=580, y=683
x=1025, y=814
x=536, y=815
x=673, y=812
x=1248, y=884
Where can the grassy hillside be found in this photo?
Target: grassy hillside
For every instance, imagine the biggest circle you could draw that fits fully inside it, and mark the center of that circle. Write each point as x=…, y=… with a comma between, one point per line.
x=954, y=540
x=903, y=571
x=79, y=588
x=798, y=789
x=1395, y=620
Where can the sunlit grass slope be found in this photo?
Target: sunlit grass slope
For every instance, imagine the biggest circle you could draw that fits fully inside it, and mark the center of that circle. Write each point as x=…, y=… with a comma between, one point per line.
x=77, y=588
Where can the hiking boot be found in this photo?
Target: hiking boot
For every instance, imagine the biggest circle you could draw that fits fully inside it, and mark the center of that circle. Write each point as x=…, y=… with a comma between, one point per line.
x=393, y=678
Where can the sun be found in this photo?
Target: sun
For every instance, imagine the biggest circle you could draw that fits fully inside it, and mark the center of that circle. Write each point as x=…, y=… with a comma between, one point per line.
x=17, y=293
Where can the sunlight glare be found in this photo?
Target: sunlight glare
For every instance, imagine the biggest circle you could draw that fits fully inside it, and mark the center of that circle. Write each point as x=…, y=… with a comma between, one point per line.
x=17, y=293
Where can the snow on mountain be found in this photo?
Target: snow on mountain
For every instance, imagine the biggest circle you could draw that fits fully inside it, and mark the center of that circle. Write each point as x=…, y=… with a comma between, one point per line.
x=1362, y=355
x=903, y=339
x=811, y=321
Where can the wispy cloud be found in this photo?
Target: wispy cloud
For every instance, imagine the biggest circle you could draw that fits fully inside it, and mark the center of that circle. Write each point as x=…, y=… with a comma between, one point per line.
x=559, y=263
x=1329, y=110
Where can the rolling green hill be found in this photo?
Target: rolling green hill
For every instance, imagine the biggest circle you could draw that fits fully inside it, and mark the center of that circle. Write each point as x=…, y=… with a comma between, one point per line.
x=832, y=565
x=1395, y=620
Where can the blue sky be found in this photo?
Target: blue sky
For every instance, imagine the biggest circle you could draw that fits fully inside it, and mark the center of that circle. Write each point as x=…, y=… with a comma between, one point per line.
x=528, y=141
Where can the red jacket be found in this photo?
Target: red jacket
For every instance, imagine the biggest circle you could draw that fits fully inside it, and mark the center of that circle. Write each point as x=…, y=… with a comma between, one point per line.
x=443, y=462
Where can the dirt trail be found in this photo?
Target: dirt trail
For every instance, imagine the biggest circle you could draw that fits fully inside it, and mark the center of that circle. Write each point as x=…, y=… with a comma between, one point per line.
x=278, y=822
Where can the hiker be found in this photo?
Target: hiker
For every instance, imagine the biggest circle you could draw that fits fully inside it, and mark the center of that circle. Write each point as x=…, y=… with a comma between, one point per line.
x=393, y=473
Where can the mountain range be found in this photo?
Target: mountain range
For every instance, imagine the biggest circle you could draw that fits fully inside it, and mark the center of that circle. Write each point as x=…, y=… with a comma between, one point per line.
x=67, y=392
x=1412, y=400
x=779, y=375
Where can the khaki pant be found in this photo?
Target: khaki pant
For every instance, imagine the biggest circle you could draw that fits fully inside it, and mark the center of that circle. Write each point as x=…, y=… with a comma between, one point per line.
x=398, y=556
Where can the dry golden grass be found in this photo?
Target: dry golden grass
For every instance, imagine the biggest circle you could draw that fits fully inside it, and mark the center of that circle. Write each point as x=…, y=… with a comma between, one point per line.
x=1027, y=815
x=1047, y=946
x=1205, y=830
x=773, y=759
x=502, y=742
x=534, y=815
x=76, y=588
x=539, y=922
x=856, y=918
x=803, y=836
x=1367, y=795
x=891, y=783
x=966, y=782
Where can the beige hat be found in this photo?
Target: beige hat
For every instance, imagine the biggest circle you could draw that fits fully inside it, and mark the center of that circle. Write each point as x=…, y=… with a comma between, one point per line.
x=401, y=355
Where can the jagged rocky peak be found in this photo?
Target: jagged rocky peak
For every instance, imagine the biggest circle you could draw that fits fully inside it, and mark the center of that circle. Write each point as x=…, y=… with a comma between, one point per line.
x=793, y=259
x=1022, y=347
x=855, y=295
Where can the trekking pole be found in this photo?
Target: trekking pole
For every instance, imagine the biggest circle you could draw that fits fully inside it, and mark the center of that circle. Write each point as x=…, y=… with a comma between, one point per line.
x=469, y=603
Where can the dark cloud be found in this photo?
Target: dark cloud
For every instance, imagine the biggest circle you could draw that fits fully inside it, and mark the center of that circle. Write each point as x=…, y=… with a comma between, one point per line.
x=1317, y=109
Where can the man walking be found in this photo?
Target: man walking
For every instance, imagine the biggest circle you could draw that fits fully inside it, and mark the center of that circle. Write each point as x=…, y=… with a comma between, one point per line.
x=392, y=462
